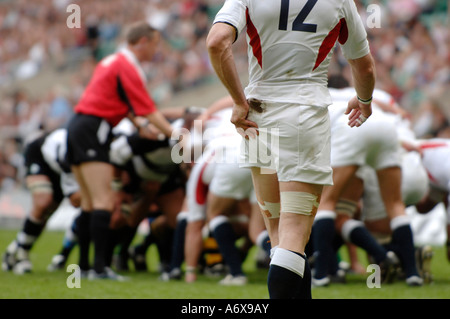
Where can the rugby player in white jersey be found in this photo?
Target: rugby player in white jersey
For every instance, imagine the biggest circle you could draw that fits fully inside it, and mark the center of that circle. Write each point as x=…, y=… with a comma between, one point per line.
x=214, y=189
x=289, y=49
x=373, y=146
x=414, y=188
x=436, y=154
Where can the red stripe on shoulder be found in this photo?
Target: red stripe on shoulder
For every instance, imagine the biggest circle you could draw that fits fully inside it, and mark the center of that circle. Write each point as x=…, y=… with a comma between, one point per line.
x=339, y=32
x=255, y=41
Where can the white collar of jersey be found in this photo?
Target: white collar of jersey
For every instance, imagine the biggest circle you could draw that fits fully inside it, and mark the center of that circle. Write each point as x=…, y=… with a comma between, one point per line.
x=131, y=57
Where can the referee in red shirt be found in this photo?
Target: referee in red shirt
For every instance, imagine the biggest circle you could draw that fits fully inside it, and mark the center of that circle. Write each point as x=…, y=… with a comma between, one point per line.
x=117, y=90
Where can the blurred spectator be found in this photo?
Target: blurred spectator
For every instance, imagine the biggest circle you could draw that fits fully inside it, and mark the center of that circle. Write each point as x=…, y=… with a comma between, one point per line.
x=59, y=111
x=11, y=166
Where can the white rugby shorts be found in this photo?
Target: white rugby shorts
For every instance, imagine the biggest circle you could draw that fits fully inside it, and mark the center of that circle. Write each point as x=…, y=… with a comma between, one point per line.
x=375, y=143
x=293, y=139
x=197, y=186
x=414, y=186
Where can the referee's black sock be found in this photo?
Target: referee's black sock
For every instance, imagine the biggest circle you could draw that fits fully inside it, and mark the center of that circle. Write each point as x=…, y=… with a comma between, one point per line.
x=83, y=227
x=289, y=276
x=100, y=233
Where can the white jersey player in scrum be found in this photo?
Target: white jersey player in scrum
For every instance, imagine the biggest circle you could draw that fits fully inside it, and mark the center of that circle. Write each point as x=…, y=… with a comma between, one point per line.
x=377, y=147
x=436, y=152
x=216, y=184
x=289, y=49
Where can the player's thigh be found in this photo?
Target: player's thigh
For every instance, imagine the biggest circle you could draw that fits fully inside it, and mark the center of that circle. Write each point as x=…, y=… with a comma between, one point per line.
x=342, y=176
x=266, y=185
x=86, y=202
x=98, y=177
x=218, y=205
x=231, y=181
x=389, y=180
x=171, y=204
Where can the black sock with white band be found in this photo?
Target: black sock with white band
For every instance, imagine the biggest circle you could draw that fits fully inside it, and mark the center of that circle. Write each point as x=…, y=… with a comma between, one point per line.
x=289, y=276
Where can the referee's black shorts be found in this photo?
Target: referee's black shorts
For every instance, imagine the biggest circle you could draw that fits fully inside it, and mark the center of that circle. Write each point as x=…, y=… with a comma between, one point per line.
x=88, y=139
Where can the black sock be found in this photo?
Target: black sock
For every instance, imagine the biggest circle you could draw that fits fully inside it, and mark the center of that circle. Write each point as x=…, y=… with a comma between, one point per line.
x=355, y=232
x=323, y=236
x=113, y=241
x=305, y=292
x=29, y=234
x=100, y=233
x=287, y=278
x=178, y=244
x=224, y=234
x=83, y=229
x=126, y=238
x=164, y=243
x=402, y=239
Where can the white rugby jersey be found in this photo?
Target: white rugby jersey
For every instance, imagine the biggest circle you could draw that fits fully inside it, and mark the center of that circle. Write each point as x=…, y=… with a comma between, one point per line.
x=290, y=44
x=436, y=154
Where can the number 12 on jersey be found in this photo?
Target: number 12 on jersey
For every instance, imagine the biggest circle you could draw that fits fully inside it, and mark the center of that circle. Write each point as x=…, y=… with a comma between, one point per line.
x=298, y=24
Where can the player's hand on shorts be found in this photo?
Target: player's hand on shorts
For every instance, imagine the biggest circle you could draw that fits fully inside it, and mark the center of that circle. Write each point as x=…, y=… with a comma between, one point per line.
x=244, y=127
x=357, y=112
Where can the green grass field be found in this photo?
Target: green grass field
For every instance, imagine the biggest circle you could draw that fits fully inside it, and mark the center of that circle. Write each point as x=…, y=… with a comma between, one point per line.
x=45, y=285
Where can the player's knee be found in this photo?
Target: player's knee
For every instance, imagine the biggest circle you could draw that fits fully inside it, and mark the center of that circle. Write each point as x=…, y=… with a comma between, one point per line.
x=346, y=207
x=42, y=192
x=299, y=203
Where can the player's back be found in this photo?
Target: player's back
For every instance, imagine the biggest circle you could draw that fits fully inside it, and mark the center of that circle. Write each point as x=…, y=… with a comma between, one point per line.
x=291, y=42
x=291, y=33
x=436, y=152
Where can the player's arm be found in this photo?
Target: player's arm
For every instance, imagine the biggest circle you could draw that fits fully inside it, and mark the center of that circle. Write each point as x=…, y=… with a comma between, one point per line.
x=220, y=104
x=160, y=122
x=363, y=72
x=143, y=110
x=219, y=44
x=360, y=107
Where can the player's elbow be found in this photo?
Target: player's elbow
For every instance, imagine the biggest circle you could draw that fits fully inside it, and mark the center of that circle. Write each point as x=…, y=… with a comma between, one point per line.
x=215, y=43
x=219, y=39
